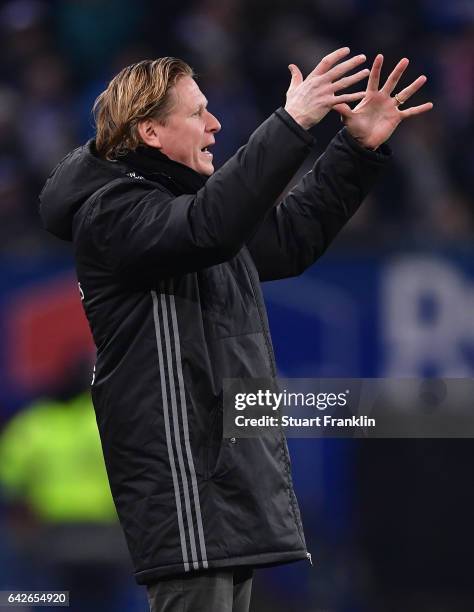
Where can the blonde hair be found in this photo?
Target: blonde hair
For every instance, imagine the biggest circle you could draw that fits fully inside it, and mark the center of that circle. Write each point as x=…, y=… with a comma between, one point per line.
x=140, y=91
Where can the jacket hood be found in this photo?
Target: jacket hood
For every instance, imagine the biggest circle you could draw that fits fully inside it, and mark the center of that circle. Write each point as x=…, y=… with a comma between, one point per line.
x=79, y=175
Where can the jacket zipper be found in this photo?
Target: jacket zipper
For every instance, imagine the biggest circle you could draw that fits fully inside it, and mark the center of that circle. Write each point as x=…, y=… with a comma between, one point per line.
x=310, y=559
x=273, y=369
x=269, y=349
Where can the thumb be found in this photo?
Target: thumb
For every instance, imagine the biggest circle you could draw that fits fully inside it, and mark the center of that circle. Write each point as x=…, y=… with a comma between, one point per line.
x=296, y=76
x=344, y=110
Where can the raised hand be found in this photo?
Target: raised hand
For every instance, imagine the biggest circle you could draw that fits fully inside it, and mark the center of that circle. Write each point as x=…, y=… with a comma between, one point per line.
x=378, y=115
x=309, y=100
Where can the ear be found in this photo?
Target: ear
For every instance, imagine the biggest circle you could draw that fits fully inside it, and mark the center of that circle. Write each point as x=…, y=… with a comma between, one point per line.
x=149, y=133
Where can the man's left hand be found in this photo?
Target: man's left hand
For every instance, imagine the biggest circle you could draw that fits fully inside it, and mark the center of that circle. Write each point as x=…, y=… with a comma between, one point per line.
x=377, y=115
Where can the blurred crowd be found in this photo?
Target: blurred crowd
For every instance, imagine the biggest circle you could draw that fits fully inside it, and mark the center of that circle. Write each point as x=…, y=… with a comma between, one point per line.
x=59, y=55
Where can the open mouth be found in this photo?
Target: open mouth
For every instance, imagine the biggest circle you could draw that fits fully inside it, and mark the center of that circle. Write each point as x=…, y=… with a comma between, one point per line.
x=206, y=151
x=207, y=147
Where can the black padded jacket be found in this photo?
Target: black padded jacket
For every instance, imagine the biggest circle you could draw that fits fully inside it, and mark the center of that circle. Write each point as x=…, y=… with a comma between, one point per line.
x=170, y=283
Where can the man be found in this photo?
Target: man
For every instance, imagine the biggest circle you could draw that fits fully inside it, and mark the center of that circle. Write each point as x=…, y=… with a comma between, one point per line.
x=169, y=257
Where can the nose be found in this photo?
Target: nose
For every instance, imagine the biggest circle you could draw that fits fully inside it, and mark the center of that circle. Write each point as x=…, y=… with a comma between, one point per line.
x=213, y=124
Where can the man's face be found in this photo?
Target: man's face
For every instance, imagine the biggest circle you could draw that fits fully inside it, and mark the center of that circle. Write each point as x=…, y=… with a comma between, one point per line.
x=189, y=128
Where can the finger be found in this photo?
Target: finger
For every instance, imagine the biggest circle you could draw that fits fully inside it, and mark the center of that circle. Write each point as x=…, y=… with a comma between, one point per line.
x=351, y=97
x=337, y=72
x=329, y=60
x=407, y=93
x=395, y=76
x=350, y=80
x=343, y=109
x=374, y=78
x=296, y=76
x=416, y=110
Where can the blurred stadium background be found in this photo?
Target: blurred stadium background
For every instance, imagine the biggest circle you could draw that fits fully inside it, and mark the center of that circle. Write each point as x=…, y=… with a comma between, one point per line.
x=389, y=522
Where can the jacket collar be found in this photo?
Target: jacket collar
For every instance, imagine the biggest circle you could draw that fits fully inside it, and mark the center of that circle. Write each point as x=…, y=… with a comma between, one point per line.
x=155, y=166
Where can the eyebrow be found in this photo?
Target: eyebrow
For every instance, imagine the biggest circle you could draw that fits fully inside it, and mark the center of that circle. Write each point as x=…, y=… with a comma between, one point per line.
x=202, y=105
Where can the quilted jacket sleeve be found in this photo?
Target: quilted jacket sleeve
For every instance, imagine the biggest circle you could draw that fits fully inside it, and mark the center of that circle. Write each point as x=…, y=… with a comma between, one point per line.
x=299, y=229
x=142, y=228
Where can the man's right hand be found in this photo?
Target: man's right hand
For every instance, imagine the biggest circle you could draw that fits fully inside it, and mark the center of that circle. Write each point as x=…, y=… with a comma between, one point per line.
x=309, y=100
